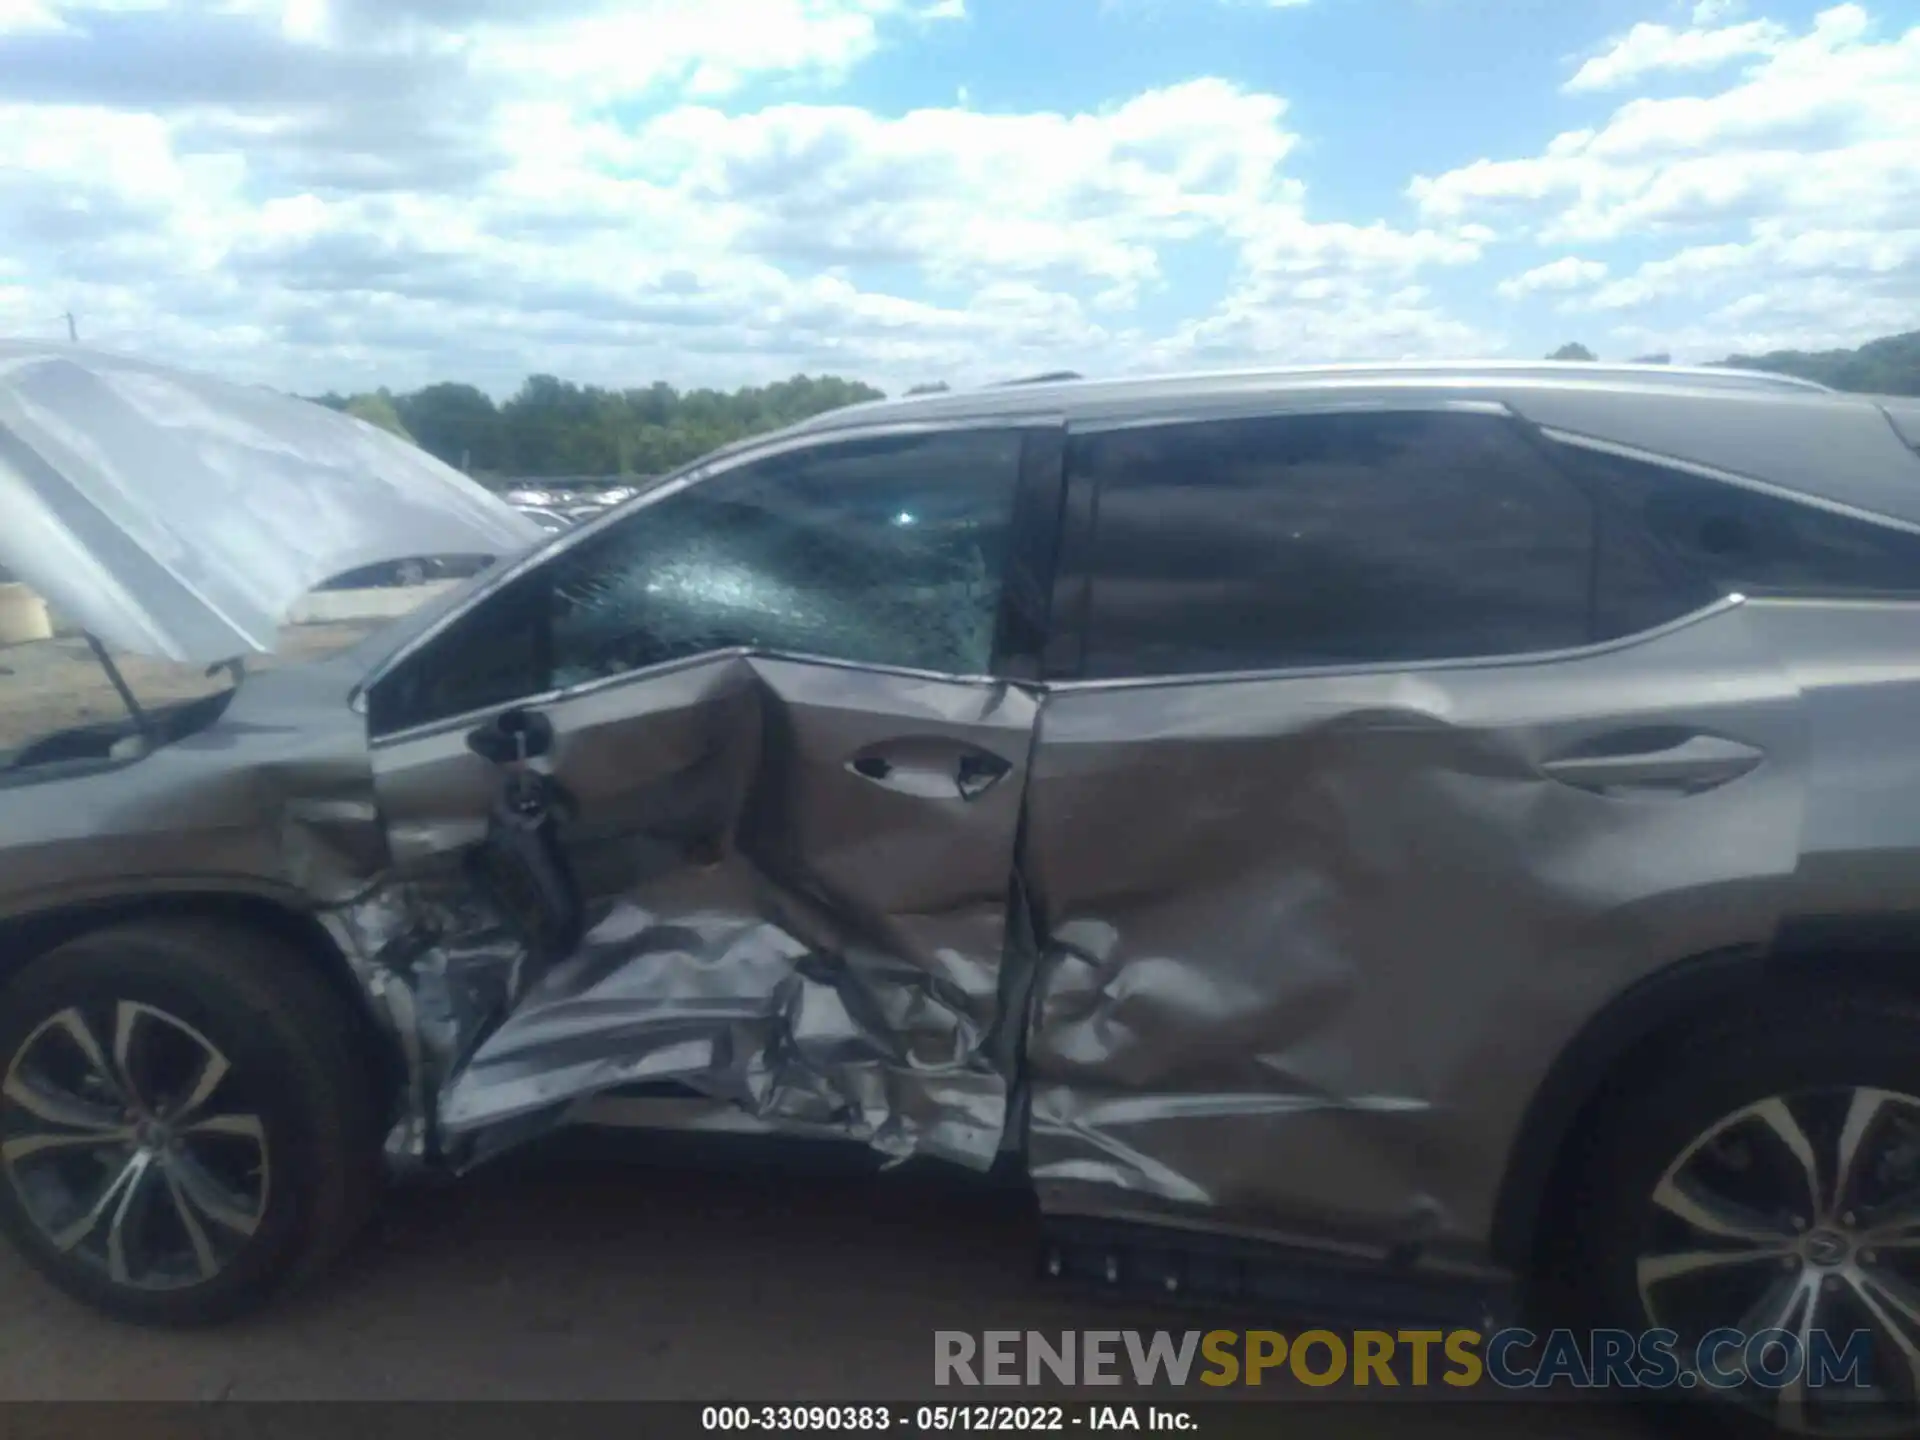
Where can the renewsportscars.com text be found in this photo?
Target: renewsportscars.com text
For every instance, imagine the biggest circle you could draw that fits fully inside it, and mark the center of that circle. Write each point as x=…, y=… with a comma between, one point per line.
x=1512, y=1359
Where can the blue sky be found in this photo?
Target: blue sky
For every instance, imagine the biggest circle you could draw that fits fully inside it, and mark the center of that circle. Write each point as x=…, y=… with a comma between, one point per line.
x=353, y=192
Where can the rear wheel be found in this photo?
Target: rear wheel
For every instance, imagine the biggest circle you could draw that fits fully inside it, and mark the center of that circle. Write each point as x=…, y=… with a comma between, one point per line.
x=1759, y=1197
x=185, y=1122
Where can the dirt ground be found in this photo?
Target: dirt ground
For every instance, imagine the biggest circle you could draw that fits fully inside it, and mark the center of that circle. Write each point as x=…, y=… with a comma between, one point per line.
x=612, y=1268
x=48, y=685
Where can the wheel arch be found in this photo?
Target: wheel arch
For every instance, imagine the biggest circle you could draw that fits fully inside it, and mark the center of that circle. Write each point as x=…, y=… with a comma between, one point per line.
x=1653, y=1016
x=27, y=936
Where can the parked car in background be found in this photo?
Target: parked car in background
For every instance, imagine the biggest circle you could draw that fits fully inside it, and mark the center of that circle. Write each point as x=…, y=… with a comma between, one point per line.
x=1378, y=839
x=414, y=570
x=554, y=511
x=549, y=520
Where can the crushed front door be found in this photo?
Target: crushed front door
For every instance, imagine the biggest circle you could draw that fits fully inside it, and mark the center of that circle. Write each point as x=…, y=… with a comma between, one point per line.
x=793, y=872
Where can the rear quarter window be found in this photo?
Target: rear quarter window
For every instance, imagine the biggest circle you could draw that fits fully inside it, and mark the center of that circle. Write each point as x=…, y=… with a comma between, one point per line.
x=1712, y=538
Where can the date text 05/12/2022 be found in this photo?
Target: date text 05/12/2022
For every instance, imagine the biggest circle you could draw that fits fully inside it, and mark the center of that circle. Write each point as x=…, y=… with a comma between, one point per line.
x=943, y=1419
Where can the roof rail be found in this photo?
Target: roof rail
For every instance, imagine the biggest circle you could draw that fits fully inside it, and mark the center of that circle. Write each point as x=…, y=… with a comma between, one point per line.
x=1678, y=375
x=1655, y=374
x=1049, y=378
x=1775, y=377
x=1694, y=374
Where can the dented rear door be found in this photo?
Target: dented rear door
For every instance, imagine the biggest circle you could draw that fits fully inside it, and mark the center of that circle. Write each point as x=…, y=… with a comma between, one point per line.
x=1388, y=765
x=785, y=729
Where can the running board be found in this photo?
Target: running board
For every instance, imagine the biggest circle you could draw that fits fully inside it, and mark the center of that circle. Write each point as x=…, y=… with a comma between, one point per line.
x=1170, y=1265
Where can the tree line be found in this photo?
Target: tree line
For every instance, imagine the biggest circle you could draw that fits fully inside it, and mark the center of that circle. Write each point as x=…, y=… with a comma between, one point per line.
x=552, y=427
x=1887, y=366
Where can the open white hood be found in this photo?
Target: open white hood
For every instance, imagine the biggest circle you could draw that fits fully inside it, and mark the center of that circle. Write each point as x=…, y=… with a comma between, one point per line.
x=179, y=516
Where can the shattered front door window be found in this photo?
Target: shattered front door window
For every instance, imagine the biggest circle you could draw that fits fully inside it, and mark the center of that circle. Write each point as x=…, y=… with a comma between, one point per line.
x=792, y=794
x=884, y=552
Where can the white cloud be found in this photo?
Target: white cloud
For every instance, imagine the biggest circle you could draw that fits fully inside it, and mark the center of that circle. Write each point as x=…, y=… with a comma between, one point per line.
x=1783, y=287
x=710, y=46
x=1797, y=176
x=964, y=194
x=351, y=192
x=1557, y=276
x=28, y=17
x=1828, y=122
x=348, y=192
x=1175, y=7
x=1648, y=48
x=1315, y=319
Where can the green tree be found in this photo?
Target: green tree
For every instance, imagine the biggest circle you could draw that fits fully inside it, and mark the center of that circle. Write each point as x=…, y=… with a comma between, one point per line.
x=458, y=423
x=1887, y=366
x=552, y=427
x=377, y=409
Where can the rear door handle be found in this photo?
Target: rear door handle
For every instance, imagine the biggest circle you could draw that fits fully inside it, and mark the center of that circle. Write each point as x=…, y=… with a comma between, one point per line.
x=1687, y=766
x=931, y=769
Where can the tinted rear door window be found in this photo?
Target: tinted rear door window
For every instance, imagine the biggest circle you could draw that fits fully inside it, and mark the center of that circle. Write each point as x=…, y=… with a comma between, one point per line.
x=1357, y=538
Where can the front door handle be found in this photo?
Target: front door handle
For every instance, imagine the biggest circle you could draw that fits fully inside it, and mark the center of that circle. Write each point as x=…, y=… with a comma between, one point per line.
x=1685, y=765
x=931, y=769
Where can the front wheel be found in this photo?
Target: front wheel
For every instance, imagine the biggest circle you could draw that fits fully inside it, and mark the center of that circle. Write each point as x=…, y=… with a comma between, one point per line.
x=1757, y=1195
x=185, y=1123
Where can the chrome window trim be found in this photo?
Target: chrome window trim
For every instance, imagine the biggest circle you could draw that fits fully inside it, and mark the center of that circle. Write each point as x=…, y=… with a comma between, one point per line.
x=1462, y=662
x=1213, y=410
x=598, y=684
x=719, y=463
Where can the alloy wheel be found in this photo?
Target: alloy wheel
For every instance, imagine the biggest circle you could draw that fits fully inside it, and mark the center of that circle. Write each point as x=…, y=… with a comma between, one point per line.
x=131, y=1145
x=1797, y=1216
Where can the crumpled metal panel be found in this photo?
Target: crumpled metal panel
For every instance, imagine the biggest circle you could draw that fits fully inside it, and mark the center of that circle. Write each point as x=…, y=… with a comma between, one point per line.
x=769, y=928
x=272, y=802
x=275, y=798
x=1311, y=944
x=180, y=516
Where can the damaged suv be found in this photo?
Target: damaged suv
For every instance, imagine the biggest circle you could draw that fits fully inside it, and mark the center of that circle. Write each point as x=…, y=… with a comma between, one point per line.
x=1352, y=836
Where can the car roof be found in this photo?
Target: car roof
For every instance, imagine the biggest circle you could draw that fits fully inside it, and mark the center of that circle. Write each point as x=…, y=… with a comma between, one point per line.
x=1780, y=432
x=1073, y=396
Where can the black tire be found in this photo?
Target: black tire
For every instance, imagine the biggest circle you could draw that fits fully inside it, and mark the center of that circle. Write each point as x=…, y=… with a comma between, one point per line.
x=312, y=1102
x=1817, y=1050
